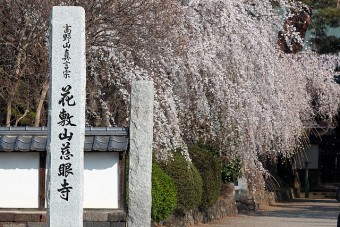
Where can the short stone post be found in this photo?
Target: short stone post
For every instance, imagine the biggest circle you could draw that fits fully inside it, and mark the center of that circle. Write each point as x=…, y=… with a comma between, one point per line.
x=140, y=156
x=306, y=180
x=66, y=120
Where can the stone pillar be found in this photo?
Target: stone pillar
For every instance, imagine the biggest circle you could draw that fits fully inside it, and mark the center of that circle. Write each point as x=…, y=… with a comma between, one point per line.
x=140, y=156
x=66, y=120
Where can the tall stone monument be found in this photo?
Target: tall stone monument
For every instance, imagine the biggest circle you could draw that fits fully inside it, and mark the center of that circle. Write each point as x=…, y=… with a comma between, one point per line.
x=66, y=124
x=140, y=156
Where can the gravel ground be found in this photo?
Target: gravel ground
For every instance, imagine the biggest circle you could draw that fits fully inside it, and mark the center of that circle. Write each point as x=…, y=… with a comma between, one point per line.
x=297, y=213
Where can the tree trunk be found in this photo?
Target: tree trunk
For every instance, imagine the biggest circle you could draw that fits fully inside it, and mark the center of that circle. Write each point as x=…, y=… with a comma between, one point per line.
x=14, y=89
x=42, y=98
x=9, y=112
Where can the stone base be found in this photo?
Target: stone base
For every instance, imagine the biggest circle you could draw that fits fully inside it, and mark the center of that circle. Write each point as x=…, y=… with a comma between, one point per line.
x=246, y=202
x=284, y=194
x=32, y=218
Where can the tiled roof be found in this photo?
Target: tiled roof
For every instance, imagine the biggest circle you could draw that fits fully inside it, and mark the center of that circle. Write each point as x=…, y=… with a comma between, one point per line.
x=35, y=139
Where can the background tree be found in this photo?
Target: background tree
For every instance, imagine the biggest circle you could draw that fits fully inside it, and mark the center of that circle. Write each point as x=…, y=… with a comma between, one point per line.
x=326, y=17
x=24, y=59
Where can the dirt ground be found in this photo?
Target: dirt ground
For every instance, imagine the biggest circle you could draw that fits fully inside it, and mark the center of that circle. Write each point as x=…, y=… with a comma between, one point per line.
x=297, y=213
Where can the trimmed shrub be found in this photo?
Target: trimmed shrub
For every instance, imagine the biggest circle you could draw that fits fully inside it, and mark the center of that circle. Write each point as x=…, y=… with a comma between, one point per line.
x=188, y=182
x=164, y=194
x=209, y=167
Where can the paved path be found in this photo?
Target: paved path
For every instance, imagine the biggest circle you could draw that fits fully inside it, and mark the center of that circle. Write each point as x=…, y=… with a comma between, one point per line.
x=298, y=213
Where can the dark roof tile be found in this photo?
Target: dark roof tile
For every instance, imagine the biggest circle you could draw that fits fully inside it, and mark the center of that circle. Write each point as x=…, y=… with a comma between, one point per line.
x=38, y=143
x=35, y=139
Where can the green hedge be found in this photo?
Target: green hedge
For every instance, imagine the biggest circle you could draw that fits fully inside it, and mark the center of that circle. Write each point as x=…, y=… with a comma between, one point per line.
x=209, y=167
x=188, y=182
x=231, y=170
x=164, y=194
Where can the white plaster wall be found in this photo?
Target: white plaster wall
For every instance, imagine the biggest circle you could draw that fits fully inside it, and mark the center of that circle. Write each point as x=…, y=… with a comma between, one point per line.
x=241, y=184
x=19, y=180
x=101, y=180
